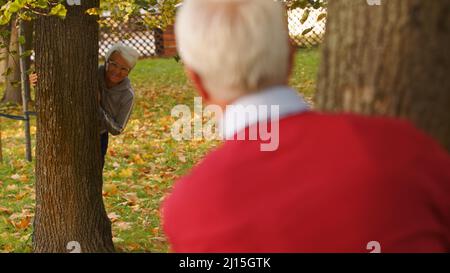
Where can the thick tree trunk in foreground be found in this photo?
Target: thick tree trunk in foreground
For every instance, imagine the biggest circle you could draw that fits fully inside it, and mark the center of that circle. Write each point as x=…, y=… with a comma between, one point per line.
x=391, y=59
x=69, y=203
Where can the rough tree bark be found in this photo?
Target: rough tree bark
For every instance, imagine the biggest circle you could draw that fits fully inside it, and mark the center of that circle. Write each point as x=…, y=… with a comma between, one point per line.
x=69, y=204
x=391, y=59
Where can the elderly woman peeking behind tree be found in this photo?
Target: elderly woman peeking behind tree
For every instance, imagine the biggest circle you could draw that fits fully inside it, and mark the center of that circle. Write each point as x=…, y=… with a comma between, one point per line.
x=116, y=96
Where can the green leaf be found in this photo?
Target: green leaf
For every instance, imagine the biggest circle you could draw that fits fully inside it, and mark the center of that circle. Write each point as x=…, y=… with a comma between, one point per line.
x=93, y=11
x=317, y=5
x=26, y=16
x=59, y=10
x=14, y=7
x=5, y=18
x=26, y=54
x=5, y=34
x=321, y=17
x=21, y=40
x=305, y=16
x=306, y=31
x=42, y=4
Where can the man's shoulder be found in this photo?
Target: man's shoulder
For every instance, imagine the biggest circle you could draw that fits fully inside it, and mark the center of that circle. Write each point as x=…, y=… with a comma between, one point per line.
x=331, y=135
x=312, y=133
x=375, y=129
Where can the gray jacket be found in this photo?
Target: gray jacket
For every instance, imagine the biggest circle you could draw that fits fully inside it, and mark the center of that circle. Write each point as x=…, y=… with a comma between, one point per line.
x=115, y=105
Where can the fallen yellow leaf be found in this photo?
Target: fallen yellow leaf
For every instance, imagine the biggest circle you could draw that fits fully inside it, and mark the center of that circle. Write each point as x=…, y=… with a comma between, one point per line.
x=132, y=198
x=5, y=210
x=15, y=176
x=20, y=196
x=155, y=231
x=23, y=178
x=122, y=225
x=133, y=247
x=23, y=224
x=125, y=173
x=113, y=217
x=110, y=189
x=138, y=160
x=11, y=187
x=182, y=158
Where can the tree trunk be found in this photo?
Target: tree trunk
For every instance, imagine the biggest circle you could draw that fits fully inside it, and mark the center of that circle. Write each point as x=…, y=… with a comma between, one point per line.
x=4, y=44
x=391, y=60
x=69, y=203
x=28, y=27
x=13, y=88
x=12, y=84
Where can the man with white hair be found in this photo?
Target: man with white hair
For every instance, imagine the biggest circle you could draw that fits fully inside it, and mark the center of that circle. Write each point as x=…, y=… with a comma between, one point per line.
x=335, y=183
x=115, y=92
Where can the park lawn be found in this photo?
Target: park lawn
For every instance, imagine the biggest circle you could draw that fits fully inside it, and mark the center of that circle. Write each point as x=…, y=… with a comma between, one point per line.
x=141, y=164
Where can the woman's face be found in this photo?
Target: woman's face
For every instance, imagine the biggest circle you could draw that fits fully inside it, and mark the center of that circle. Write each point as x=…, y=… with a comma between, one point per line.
x=117, y=69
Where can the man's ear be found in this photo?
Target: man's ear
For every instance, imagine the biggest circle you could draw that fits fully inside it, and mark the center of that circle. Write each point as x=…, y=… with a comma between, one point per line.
x=198, y=83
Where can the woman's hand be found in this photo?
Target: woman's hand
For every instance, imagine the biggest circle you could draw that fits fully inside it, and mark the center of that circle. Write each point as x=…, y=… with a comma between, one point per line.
x=33, y=79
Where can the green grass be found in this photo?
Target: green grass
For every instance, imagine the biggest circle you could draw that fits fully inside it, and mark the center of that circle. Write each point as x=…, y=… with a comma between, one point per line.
x=141, y=164
x=305, y=71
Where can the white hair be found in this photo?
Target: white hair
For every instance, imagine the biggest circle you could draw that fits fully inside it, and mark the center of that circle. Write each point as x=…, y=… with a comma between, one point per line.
x=130, y=54
x=236, y=46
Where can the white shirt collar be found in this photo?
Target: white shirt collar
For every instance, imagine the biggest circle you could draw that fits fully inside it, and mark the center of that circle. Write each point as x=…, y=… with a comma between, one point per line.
x=288, y=100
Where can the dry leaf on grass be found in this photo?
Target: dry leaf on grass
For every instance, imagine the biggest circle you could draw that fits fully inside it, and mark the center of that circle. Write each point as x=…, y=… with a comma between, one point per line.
x=122, y=225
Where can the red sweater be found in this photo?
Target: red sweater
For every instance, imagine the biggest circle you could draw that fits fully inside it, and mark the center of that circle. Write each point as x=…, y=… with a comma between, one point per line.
x=335, y=183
